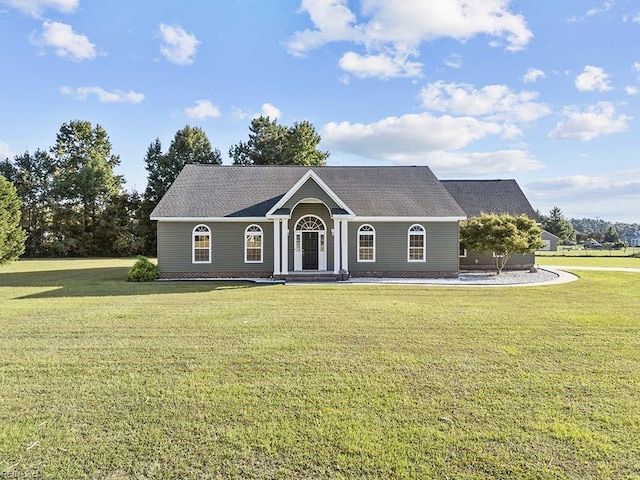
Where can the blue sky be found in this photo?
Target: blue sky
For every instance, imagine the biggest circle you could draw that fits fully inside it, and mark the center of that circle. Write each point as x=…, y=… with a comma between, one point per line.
x=547, y=93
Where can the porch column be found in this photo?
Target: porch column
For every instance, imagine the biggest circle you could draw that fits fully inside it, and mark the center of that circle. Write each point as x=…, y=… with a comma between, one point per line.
x=285, y=246
x=345, y=246
x=336, y=246
x=276, y=247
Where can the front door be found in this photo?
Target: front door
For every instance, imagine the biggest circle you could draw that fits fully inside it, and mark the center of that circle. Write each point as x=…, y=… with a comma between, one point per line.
x=310, y=250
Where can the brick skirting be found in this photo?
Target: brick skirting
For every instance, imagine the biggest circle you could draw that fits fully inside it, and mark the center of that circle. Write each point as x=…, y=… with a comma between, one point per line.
x=212, y=275
x=476, y=267
x=403, y=274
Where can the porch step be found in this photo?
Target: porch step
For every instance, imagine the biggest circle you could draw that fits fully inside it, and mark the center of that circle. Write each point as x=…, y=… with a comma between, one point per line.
x=311, y=277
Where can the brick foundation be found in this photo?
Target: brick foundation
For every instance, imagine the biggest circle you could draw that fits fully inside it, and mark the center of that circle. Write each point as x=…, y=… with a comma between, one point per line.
x=403, y=274
x=212, y=275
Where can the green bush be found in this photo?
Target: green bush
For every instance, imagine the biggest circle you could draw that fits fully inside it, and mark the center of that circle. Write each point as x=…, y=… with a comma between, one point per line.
x=143, y=271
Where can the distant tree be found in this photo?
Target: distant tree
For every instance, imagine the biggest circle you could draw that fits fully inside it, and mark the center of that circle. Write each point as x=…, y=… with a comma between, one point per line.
x=504, y=235
x=31, y=175
x=273, y=144
x=12, y=236
x=84, y=183
x=611, y=235
x=558, y=225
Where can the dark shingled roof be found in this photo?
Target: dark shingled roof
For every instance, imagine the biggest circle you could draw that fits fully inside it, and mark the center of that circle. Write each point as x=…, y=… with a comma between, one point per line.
x=236, y=191
x=489, y=196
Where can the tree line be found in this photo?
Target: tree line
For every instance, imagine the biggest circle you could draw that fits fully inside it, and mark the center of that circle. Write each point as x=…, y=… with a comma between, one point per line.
x=71, y=203
x=581, y=230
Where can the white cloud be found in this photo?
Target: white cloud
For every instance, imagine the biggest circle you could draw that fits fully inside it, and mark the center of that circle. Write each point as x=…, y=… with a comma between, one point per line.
x=593, y=78
x=178, y=46
x=606, y=6
x=270, y=111
x=35, y=8
x=453, y=61
x=65, y=42
x=382, y=66
x=631, y=90
x=203, y=109
x=103, y=96
x=496, y=102
x=533, y=75
x=5, y=151
x=392, y=30
x=636, y=67
x=409, y=137
x=595, y=121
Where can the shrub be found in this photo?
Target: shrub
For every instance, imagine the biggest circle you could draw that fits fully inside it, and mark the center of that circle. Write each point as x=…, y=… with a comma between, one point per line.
x=143, y=271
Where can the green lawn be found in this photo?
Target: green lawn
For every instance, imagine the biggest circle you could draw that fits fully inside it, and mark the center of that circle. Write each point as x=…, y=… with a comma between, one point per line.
x=105, y=379
x=595, y=261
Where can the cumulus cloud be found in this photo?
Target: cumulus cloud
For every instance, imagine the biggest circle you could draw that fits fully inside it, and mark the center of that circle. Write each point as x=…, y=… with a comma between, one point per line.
x=202, y=109
x=381, y=66
x=533, y=75
x=35, y=8
x=588, y=196
x=103, y=96
x=594, y=121
x=496, y=102
x=390, y=30
x=65, y=42
x=636, y=67
x=270, y=111
x=178, y=46
x=631, y=90
x=5, y=151
x=593, y=78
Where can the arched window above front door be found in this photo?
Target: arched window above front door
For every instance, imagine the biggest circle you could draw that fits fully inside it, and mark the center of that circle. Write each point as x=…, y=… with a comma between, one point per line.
x=310, y=223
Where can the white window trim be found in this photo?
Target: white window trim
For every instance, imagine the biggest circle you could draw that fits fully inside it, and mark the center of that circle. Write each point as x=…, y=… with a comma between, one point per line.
x=464, y=254
x=424, y=243
x=246, y=234
x=371, y=232
x=193, y=243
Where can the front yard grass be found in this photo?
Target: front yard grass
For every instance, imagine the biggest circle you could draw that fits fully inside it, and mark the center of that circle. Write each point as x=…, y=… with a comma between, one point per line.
x=100, y=378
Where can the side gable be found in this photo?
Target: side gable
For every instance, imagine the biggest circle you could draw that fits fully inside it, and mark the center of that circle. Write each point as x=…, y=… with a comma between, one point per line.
x=490, y=196
x=310, y=185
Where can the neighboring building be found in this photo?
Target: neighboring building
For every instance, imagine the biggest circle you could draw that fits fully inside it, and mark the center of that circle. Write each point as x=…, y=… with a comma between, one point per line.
x=288, y=221
x=492, y=197
x=634, y=241
x=550, y=241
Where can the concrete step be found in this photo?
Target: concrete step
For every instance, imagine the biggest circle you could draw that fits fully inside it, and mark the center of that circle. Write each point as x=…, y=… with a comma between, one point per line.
x=311, y=277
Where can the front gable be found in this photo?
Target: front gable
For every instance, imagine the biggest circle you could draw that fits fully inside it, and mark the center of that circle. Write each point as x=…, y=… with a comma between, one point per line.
x=310, y=186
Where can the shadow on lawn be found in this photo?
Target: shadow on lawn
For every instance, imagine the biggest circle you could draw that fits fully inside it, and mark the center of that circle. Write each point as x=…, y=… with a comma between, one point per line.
x=104, y=282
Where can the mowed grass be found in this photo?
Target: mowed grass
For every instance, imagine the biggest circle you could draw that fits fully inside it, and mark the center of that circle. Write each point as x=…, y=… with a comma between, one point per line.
x=105, y=379
x=595, y=261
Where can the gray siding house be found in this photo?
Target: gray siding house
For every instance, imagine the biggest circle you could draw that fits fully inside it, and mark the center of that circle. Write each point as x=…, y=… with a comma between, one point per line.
x=287, y=222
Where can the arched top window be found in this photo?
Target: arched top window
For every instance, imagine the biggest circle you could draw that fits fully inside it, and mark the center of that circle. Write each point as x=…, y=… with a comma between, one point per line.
x=366, y=244
x=201, y=243
x=253, y=244
x=417, y=244
x=310, y=223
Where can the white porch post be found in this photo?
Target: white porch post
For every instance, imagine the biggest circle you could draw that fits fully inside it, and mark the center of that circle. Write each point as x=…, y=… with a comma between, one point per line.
x=276, y=247
x=285, y=246
x=345, y=246
x=336, y=246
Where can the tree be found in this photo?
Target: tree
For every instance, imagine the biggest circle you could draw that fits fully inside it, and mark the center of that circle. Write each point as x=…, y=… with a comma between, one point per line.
x=31, y=174
x=83, y=185
x=611, y=235
x=504, y=235
x=189, y=145
x=558, y=225
x=273, y=144
x=12, y=236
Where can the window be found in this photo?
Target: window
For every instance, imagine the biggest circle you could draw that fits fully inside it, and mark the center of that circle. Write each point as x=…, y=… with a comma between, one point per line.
x=463, y=251
x=201, y=244
x=253, y=244
x=417, y=244
x=366, y=244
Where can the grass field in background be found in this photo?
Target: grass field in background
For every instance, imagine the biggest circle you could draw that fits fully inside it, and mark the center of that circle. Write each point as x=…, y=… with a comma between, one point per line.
x=100, y=378
x=601, y=261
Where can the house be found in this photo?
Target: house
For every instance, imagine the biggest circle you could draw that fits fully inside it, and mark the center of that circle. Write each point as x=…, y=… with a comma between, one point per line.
x=550, y=241
x=288, y=221
x=492, y=197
